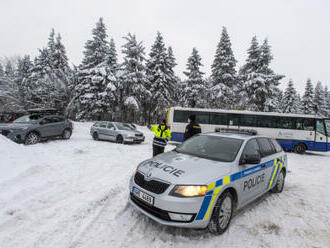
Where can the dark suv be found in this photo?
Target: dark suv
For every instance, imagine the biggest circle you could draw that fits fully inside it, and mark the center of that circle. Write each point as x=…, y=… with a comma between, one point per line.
x=30, y=129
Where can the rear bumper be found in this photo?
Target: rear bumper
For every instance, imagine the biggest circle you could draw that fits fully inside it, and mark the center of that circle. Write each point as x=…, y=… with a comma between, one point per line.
x=134, y=139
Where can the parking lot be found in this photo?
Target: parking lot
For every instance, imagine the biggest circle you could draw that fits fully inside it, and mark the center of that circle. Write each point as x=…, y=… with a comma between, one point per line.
x=73, y=193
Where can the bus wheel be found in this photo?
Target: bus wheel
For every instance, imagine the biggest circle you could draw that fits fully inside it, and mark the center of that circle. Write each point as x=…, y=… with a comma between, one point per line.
x=300, y=148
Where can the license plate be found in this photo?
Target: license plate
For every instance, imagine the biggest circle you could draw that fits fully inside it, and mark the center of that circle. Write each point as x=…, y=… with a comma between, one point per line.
x=143, y=196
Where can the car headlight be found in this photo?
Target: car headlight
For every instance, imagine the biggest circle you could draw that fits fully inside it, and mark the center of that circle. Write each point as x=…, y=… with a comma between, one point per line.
x=189, y=190
x=129, y=135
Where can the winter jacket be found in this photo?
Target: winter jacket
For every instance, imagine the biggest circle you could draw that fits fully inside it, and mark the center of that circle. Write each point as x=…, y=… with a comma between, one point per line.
x=162, y=135
x=191, y=129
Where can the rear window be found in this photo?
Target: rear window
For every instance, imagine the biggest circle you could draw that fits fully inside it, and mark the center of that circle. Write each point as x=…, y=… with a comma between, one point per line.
x=277, y=146
x=211, y=147
x=266, y=147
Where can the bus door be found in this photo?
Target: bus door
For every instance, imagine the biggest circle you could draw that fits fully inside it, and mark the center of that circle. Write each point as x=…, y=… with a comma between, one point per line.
x=327, y=131
x=321, y=138
x=233, y=120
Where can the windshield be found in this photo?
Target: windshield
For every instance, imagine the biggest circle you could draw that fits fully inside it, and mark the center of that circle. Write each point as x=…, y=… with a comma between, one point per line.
x=327, y=127
x=124, y=126
x=28, y=119
x=211, y=147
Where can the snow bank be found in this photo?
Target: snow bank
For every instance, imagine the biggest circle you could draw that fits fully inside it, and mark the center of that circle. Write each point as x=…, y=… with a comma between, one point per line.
x=73, y=193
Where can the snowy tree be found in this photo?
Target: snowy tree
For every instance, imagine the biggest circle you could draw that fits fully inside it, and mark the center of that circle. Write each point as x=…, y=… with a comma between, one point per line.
x=224, y=74
x=95, y=77
x=307, y=100
x=195, y=85
x=135, y=80
x=290, y=99
x=327, y=101
x=161, y=79
x=319, y=100
x=2, y=73
x=260, y=82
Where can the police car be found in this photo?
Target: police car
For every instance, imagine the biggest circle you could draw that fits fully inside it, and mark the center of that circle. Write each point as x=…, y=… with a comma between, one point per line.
x=206, y=178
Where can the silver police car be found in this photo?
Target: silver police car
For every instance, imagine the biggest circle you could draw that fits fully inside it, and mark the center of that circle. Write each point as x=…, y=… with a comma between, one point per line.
x=202, y=181
x=116, y=131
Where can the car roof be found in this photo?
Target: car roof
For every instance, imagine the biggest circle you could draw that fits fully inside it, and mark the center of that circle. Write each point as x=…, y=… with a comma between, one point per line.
x=234, y=135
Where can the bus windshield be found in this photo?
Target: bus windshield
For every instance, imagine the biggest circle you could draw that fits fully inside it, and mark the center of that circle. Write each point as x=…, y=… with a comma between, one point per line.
x=327, y=127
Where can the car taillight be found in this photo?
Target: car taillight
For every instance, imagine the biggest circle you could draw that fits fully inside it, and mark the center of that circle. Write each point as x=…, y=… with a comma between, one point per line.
x=71, y=124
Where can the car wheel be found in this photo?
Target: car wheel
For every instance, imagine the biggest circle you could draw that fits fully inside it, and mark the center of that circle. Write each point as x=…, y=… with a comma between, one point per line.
x=32, y=138
x=66, y=134
x=278, y=188
x=95, y=136
x=222, y=213
x=300, y=148
x=120, y=139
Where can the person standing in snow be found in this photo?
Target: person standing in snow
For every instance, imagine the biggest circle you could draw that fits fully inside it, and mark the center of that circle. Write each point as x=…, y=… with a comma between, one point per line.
x=192, y=128
x=162, y=136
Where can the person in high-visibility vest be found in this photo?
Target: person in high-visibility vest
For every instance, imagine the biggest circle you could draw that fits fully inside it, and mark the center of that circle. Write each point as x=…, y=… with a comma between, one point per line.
x=162, y=136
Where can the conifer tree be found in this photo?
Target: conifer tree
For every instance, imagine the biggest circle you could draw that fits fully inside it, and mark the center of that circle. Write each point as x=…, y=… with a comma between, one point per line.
x=195, y=86
x=161, y=79
x=135, y=79
x=94, y=76
x=307, y=100
x=327, y=101
x=290, y=103
x=224, y=78
x=319, y=99
x=260, y=82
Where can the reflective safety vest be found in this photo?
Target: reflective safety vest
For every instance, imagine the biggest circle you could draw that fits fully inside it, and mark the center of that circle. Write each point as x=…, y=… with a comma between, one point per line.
x=162, y=135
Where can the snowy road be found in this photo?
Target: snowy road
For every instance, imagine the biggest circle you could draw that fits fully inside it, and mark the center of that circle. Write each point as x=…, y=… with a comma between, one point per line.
x=73, y=194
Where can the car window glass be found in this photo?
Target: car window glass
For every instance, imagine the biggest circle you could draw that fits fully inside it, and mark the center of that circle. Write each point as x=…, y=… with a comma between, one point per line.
x=277, y=146
x=217, y=148
x=103, y=124
x=266, y=148
x=251, y=148
x=110, y=126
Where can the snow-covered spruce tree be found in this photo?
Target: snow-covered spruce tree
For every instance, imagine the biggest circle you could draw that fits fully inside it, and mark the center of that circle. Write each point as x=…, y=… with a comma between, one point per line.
x=224, y=78
x=22, y=76
x=161, y=79
x=259, y=81
x=327, y=101
x=307, y=100
x=289, y=101
x=319, y=100
x=93, y=97
x=136, y=95
x=2, y=72
x=195, y=85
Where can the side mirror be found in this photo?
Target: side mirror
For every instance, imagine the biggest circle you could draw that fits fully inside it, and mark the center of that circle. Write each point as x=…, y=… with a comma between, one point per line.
x=251, y=159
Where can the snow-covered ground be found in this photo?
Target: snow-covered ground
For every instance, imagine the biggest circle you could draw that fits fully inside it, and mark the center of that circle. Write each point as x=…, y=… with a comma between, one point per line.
x=73, y=193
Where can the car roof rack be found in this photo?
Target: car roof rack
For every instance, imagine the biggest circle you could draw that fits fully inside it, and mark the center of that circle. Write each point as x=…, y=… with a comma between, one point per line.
x=237, y=131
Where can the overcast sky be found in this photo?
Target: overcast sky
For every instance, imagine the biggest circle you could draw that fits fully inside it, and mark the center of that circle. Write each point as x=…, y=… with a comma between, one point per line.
x=298, y=30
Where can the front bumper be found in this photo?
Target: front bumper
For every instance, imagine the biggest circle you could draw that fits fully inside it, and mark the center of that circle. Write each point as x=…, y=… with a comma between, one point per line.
x=133, y=139
x=15, y=136
x=165, y=205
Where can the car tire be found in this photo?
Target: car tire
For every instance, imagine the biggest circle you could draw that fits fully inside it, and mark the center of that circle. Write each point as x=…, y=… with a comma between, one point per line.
x=95, y=136
x=66, y=134
x=120, y=139
x=32, y=138
x=300, y=148
x=222, y=213
x=278, y=188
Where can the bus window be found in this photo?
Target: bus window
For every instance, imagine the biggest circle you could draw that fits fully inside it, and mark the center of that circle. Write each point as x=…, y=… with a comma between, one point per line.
x=267, y=121
x=218, y=119
x=248, y=120
x=286, y=123
x=182, y=116
x=327, y=127
x=233, y=120
x=320, y=127
x=309, y=124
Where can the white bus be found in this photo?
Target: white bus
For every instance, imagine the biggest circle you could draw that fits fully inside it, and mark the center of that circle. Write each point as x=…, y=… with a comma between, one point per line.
x=294, y=132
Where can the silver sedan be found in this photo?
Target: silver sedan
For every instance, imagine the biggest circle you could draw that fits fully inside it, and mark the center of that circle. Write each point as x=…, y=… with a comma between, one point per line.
x=116, y=131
